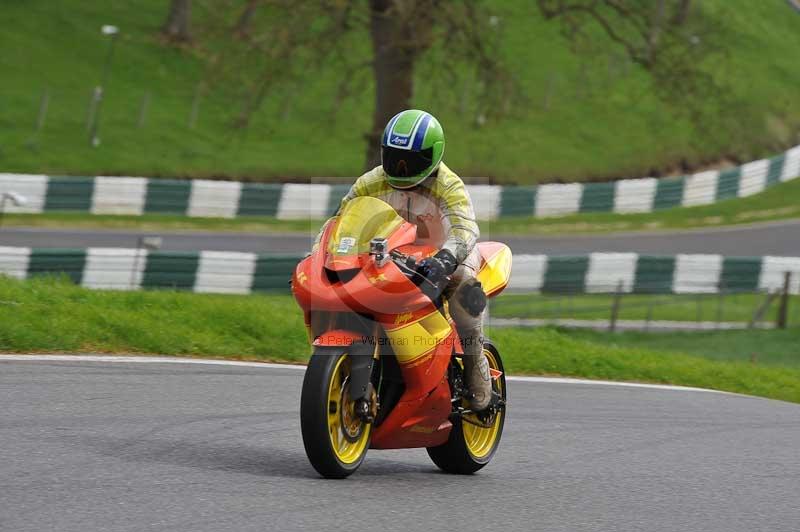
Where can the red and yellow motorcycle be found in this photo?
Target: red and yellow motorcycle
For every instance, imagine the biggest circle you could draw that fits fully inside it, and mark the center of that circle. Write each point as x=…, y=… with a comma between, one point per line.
x=386, y=370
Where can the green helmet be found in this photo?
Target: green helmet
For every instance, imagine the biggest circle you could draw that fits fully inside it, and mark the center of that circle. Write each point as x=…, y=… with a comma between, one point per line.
x=412, y=147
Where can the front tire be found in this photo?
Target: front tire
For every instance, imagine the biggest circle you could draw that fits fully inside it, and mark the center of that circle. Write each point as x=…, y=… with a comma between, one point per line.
x=470, y=447
x=336, y=441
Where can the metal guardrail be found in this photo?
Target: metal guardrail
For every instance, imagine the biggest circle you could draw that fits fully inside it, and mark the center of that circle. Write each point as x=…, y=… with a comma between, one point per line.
x=229, y=272
x=133, y=269
x=632, y=273
x=230, y=199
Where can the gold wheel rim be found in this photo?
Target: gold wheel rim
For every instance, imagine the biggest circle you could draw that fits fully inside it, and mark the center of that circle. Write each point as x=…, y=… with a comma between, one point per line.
x=349, y=436
x=481, y=440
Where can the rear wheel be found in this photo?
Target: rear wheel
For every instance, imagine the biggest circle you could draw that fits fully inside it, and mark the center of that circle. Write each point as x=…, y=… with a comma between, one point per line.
x=474, y=439
x=336, y=440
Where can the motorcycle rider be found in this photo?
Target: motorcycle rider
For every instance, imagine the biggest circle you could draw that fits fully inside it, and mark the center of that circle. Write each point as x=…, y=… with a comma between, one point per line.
x=416, y=183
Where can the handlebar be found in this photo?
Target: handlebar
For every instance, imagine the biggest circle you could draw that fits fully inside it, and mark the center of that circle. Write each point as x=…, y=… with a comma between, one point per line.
x=408, y=265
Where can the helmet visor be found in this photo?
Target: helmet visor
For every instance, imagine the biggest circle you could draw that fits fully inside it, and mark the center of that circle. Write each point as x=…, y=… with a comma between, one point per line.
x=406, y=163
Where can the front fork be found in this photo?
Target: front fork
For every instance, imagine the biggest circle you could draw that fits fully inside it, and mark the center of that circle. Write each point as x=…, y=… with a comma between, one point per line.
x=362, y=391
x=355, y=331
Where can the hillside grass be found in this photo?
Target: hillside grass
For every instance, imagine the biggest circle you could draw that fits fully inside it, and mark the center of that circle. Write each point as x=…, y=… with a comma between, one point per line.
x=576, y=117
x=52, y=315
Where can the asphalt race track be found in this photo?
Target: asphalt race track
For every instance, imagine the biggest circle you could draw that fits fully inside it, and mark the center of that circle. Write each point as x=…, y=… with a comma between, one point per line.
x=775, y=238
x=172, y=240
x=118, y=446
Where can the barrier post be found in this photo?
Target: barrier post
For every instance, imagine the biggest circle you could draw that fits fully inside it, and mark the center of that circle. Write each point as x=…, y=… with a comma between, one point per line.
x=98, y=94
x=762, y=309
x=617, y=302
x=783, y=309
x=195, y=105
x=149, y=243
x=720, y=303
x=550, y=91
x=92, y=109
x=699, y=308
x=649, y=317
x=143, y=109
x=3, y=198
x=44, y=103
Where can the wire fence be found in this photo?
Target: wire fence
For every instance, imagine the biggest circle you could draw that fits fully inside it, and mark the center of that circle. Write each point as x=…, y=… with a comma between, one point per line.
x=691, y=312
x=76, y=110
x=186, y=106
x=695, y=291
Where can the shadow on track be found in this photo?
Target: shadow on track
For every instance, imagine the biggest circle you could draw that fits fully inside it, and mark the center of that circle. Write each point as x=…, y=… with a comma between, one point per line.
x=248, y=459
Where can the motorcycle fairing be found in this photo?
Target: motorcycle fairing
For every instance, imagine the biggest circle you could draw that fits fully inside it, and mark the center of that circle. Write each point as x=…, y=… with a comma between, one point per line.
x=337, y=338
x=361, y=220
x=367, y=287
x=495, y=270
x=414, y=335
x=423, y=342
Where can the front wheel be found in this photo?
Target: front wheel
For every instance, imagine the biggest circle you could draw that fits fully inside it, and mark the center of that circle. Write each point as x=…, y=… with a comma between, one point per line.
x=474, y=440
x=336, y=440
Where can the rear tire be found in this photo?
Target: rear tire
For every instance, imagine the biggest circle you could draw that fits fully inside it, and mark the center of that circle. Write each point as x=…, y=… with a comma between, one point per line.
x=336, y=442
x=470, y=448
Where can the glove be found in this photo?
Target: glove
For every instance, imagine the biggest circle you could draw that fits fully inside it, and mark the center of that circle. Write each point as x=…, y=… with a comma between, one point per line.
x=448, y=261
x=472, y=297
x=437, y=267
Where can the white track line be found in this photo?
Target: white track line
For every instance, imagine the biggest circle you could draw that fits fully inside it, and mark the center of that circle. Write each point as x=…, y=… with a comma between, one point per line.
x=143, y=360
x=567, y=380
x=266, y=365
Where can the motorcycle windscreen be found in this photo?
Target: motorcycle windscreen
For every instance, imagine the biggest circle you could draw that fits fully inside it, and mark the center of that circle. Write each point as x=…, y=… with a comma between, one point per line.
x=361, y=220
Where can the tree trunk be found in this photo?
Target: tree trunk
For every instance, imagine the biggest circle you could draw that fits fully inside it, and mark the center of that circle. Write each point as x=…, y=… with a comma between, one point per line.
x=242, y=27
x=176, y=28
x=682, y=14
x=656, y=25
x=393, y=67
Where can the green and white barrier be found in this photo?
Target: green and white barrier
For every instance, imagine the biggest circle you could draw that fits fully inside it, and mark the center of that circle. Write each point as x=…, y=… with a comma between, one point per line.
x=244, y=273
x=230, y=199
x=133, y=269
x=649, y=274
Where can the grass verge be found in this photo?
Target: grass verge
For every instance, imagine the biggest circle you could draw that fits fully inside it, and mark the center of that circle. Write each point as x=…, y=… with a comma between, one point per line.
x=768, y=348
x=550, y=351
x=670, y=307
x=777, y=203
x=51, y=315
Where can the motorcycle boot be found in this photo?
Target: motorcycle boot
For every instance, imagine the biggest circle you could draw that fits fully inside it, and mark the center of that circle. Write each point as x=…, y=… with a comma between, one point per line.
x=466, y=308
x=478, y=381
